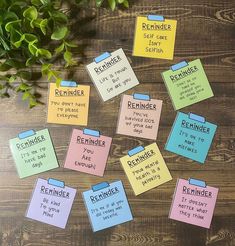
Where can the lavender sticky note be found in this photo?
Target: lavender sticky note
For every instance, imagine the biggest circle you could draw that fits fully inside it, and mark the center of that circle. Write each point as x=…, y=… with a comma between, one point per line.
x=51, y=202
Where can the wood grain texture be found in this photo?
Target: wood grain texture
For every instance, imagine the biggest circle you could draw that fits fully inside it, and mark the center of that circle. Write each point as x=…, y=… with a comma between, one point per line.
x=206, y=30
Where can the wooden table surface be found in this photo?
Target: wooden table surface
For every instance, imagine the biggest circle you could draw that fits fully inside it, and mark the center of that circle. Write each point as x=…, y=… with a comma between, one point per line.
x=206, y=30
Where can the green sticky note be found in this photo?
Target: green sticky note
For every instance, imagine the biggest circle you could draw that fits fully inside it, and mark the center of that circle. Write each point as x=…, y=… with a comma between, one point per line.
x=33, y=152
x=187, y=83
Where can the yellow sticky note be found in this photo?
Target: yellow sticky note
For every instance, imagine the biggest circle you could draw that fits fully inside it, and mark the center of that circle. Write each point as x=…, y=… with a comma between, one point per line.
x=68, y=104
x=154, y=37
x=145, y=168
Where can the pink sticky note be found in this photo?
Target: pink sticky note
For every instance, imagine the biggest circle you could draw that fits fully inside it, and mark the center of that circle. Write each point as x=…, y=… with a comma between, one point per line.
x=193, y=204
x=139, y=118
x=88, y=153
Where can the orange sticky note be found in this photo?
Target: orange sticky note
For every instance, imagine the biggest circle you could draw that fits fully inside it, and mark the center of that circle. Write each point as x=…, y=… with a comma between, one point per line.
x=68, y=104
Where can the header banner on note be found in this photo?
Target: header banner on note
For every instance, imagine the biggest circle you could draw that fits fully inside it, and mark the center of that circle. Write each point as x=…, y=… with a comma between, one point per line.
x=112, y=74
x=187, y=83
x=139, y=116
x=33, y=152
x=145, y=168
x=51, y=202
x=154, y=37
x=107, y=205
x=191, y=136
x=68, y=104
x=193, y=202
x=88, y=152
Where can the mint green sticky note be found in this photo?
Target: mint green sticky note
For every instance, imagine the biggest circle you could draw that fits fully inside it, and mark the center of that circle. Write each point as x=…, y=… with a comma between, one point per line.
x=33, y=152
x=187, y=83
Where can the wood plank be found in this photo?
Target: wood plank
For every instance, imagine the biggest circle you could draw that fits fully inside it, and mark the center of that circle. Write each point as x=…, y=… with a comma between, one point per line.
x=15, y=193
x=101, y=113
x=144, y=231
x=206, y=31
x=221, y=155
x=214, y=19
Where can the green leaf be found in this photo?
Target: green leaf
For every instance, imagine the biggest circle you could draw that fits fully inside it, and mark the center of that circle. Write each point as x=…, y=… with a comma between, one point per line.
x=70, y=44
x=45, y=53
x=36, y=2
x=14, y=63
x=32, y=22
x=28, y=29
x=32, y=102
x=32, y=48
x=59, y=17
x=24, y=87
x=26, y=75
x=31, y=13
x=30, y=61
x=45, y=2
x=67, y=57
x=126, y=3
x=112, y=4
x=4, y=44
x=17, y=43
x=16, y=38
x=9, y=16
x=11, y=63
x=58, y=81
x=18, y=4
x=12, y=24
x=12, y=79
x=99, y=3
x=30, y=38
x=59, y=49
x=45, y=68
x=1, y=30
x=59, y=33
x=17, y=7
x=120, y=1
x=43, y=25
x=40, y=23
x=26, y=95
x=49, y=75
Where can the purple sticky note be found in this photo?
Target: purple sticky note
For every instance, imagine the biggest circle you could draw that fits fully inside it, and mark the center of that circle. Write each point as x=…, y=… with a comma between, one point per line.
x=193, y=203
x=51, y=202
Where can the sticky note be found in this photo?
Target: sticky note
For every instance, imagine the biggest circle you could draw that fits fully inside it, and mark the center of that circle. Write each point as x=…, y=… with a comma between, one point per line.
x=154, y=38
x=193, y=204
x=51, y=202
x=145, y=168
x=139, y=117
x=112, y=74
x=187, y=83
x=68, y=105
x=191, y=136
x=33, y=153
x=107, y=205
x=88, y=152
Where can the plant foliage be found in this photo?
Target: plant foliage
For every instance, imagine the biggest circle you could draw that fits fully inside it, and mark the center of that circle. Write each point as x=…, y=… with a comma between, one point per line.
x=33, y=33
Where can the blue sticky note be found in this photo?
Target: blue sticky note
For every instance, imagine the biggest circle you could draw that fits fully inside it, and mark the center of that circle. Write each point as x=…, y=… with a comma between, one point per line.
x=107, y=205
x=191, y=136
